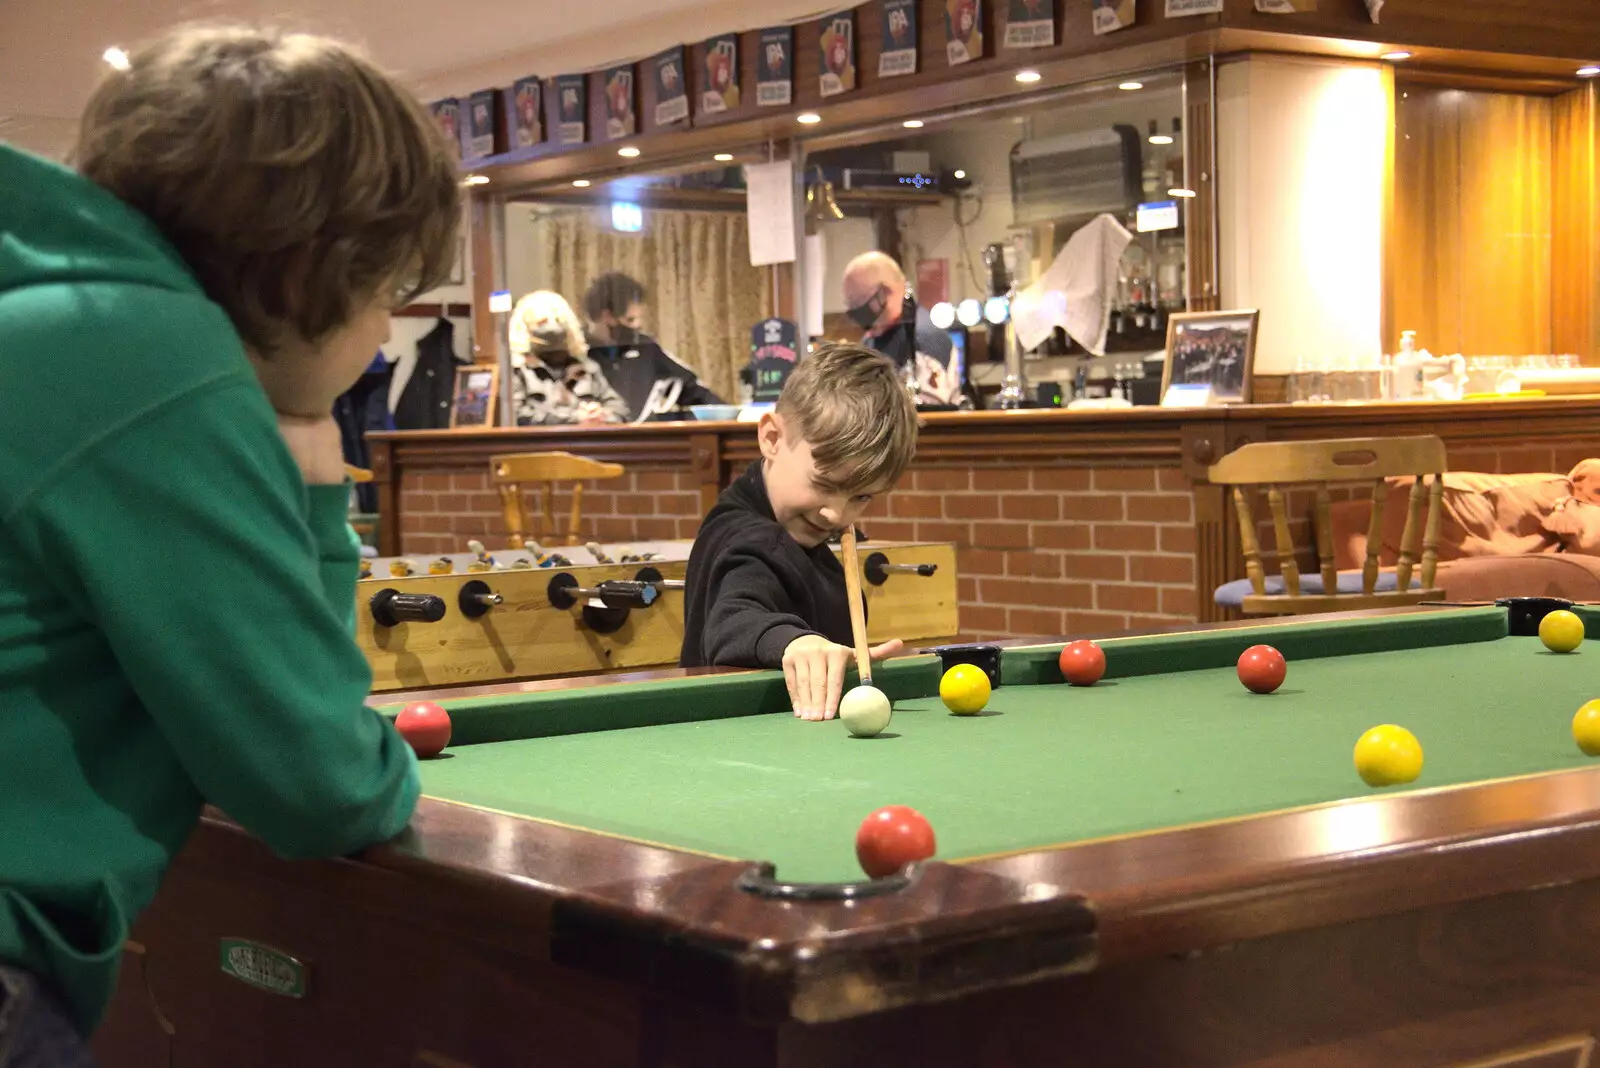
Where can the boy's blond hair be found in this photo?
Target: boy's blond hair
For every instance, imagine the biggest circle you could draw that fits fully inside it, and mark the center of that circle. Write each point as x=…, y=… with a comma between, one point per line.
x=854, y=410
x=297, y=180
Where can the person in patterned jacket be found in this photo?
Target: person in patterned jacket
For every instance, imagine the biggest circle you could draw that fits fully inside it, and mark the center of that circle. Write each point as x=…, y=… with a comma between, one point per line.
x=553, y=380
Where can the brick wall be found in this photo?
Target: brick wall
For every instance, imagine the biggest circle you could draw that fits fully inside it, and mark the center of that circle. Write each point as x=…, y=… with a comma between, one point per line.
x=440, y=512
x=1054, y=550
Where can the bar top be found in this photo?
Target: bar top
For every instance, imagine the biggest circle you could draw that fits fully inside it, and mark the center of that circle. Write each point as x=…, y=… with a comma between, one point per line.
x=1400, y=412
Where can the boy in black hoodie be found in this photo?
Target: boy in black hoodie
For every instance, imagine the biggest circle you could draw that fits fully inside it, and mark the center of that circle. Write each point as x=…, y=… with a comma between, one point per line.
x=764, y=588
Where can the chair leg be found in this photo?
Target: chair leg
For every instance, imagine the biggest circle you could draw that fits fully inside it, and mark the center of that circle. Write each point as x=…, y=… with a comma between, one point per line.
x=1247, y=541
x=1288, y=566
x=1408, y=540
x=1369, y=570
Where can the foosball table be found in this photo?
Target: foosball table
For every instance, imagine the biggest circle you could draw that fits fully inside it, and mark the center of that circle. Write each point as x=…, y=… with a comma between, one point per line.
x=494, y=615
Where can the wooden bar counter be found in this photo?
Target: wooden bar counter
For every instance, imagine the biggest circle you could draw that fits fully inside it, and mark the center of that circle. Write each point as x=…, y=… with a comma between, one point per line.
x=1064, y=522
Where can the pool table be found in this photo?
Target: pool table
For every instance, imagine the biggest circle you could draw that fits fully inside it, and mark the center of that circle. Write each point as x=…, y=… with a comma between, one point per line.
x=1161, y=869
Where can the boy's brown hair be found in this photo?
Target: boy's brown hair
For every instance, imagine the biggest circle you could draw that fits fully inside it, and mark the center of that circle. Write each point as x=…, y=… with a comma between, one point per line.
x=298, y=180
x=854, y=410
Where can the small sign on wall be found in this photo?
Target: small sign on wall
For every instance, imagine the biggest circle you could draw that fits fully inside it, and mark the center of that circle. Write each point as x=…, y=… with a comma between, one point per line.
x=1285, y=7
x=621, y=120
x=838, y=47
x=483, y=111
x=447, y=113
x=1030, y=24
x=899, y=54
x=1113, y=15
x=963, y=31
x=774, y=351
x=721, y=92
x=572, y=106
x=672, y=88
x=775, y=71
x=1182, y=8
x=528, y=124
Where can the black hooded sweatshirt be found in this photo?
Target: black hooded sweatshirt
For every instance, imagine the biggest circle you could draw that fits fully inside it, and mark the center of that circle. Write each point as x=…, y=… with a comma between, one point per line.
x=751, y=589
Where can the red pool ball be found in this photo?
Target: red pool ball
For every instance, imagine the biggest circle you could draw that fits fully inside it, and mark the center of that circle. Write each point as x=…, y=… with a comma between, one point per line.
x=425, y=726
x=1262, y=668
x=891, y=838
x=1083, y=663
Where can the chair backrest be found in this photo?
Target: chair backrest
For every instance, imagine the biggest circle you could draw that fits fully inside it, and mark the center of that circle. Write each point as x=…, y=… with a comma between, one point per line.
x=1276, y=465
x=513, y=472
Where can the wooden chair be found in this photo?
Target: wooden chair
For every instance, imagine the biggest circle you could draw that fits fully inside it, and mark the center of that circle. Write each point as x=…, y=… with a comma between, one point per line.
x=514, y=472
x=1277, y=465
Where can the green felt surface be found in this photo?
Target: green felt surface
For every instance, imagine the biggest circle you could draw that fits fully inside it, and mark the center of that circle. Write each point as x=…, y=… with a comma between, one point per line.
x=1169, y=738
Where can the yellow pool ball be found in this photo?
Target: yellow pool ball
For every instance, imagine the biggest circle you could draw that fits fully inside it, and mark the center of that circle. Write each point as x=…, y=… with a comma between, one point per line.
x=1586, y=728
x=964, y=689
x=1388, y=756
x=1561, y=632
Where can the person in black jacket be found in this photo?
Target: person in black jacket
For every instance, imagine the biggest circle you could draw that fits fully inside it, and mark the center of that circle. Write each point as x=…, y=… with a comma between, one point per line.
x=764, y=588
x=654, y=382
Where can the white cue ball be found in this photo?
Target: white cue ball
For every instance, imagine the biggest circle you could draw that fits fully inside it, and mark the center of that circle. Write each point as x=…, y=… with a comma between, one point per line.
x=865, y=710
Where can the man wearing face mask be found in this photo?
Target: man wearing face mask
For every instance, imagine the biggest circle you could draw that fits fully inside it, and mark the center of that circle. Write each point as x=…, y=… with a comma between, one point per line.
x=553, y=379
x=878, y=302
x=653, y=382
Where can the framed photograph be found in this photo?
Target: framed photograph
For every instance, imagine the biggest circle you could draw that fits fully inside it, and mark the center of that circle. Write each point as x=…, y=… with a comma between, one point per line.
x=476, y=390
x=1210, y=358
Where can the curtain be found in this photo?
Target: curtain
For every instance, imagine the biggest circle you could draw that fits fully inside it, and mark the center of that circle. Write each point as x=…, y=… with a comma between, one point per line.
x=702, y=294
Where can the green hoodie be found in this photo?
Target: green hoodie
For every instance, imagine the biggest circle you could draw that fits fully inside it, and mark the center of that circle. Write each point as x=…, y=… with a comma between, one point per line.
x=176, y=605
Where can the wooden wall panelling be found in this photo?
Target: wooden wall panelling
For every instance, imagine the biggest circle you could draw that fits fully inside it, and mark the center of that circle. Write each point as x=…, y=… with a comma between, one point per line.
x=1575, y=247
x=1200, y=234
x=1388, y=331
x=1422, y=281
x=1505, y=195
x=480, y=245
x=1469, y=249
x=386, y=476
x=1544, y=27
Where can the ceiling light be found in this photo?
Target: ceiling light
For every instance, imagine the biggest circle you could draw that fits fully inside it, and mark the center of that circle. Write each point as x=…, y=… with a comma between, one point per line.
x=1028, y=77
x=723, y=157
x=960, y=176
x=475, y=179
x=1588, y=72
x=1156, y=137
x=969, y=312
x=912, y=124
x=582, y=183
x=1130, y=87
x=943, y=315
x=116, y=57
x=1395, y=57
x=1185, y=193
x=808, y=118
x=627, y=151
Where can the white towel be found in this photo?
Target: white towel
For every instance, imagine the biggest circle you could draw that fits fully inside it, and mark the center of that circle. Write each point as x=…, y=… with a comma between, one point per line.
x=1078, y=291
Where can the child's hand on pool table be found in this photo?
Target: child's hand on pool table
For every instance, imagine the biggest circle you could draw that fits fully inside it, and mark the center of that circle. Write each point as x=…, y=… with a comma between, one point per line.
x=813, y=669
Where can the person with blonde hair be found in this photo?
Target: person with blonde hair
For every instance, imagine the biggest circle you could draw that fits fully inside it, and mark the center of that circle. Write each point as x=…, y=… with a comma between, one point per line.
x=553, y=379
x=178, y=314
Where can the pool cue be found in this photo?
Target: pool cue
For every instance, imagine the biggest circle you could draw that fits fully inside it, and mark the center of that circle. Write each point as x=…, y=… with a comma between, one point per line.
x=858, y=614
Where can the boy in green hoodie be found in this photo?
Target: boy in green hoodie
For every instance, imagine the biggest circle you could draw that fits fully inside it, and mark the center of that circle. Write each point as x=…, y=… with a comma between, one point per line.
x=177, y=577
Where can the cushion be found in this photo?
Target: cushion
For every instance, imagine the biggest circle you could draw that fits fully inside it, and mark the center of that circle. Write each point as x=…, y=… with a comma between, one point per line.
x=1479, y=515
x=1232, y=594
